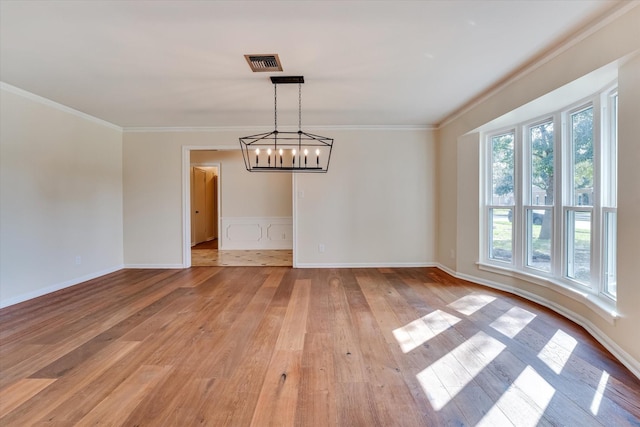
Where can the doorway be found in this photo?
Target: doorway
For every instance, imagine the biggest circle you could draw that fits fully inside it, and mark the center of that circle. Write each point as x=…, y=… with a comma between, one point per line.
x=227, y=239
x=204, y=205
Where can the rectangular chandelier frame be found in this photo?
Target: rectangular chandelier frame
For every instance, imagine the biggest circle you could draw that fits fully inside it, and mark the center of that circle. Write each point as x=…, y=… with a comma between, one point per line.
x=279, y=151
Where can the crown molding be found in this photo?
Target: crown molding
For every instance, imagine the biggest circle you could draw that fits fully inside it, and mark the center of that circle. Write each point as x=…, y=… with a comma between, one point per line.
x=49, y=103
x=249, y=129
x=564, y=44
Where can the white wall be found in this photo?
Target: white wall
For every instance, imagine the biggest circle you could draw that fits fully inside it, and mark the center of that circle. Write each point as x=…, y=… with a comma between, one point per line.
x=153, y=188
x=60, y=197
x=459, y=173
x=251, y=194
x=375, y=206
x=256, y=207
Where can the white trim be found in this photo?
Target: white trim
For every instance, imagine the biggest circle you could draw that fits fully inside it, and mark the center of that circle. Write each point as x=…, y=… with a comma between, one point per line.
x=186, y=197
x=366, y=265
x=60, y=107
x=606, y=311
x=250, y=129
x=58, y=286
x=589, y=29
x=625, y=358
x=186, y=207
x=449, y=271
x=155, y=266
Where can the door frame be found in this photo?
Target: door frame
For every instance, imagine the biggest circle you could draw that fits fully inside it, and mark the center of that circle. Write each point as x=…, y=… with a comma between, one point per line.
x=217, y=165
x=186, y=196
x=186, y=200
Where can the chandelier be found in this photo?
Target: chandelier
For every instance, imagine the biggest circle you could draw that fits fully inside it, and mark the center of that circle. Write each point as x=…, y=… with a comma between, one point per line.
x=279, y=151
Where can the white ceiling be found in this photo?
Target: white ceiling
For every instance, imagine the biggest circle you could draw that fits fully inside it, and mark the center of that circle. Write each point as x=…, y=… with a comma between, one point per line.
x=365, y=63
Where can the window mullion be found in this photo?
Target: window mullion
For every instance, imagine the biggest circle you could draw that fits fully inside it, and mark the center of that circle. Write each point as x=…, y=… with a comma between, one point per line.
x=599, y=112
x=561, y=189
x=518, y=226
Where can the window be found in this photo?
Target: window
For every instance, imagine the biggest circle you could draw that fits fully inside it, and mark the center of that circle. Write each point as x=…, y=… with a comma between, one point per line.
x=501, y=209
x=540, y=198
x=579, y=211
x=550, y=199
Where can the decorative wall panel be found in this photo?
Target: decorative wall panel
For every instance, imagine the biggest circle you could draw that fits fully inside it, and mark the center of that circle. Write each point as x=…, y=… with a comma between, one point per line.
x=256, y=233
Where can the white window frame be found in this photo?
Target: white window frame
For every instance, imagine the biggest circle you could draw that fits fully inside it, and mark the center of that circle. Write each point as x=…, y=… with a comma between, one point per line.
x=604, y=179
x=489, y=196
x=527, y=197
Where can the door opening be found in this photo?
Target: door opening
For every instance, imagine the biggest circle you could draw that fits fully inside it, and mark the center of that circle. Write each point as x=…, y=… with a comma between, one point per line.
x=257, y=227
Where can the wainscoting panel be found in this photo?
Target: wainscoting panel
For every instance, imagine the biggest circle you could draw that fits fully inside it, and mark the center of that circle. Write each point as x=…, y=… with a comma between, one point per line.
x=256, y=233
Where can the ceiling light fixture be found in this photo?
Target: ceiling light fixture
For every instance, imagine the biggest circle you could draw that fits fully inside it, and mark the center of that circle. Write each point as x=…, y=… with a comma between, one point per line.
x=278, y=151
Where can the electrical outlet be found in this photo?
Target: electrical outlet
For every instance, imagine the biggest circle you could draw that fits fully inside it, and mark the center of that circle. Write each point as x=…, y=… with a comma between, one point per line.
x=78, y=260
x=321, y=247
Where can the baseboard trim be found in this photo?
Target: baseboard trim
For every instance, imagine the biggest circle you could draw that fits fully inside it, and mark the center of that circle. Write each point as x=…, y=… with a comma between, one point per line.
x=625, y=358
x=367, y=265
x=58, y=286
x=154, y=266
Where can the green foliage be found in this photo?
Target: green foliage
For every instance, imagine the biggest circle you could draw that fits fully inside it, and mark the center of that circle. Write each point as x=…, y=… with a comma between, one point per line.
x=542, y=156
x=502, y=163
x=582, y=126
x=542, y=168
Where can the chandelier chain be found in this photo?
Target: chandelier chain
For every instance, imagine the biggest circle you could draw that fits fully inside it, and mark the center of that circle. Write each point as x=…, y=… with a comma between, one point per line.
x=299, y=106
x=275, y=107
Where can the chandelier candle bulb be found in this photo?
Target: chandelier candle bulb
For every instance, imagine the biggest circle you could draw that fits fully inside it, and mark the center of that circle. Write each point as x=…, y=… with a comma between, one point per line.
x=279, y=143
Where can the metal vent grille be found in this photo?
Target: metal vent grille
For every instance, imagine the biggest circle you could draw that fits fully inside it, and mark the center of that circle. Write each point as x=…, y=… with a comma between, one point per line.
x=261, y=63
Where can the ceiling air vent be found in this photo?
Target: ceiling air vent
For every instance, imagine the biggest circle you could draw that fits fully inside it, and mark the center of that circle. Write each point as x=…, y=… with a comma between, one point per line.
x=261, y=63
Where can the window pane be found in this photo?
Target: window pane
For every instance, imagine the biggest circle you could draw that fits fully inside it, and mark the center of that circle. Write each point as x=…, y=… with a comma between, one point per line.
x=579, y=246
x=610, y=279
x=501, y=239
x=502, y=169
x=539, y=226
x=582, y=152
x=542, y=171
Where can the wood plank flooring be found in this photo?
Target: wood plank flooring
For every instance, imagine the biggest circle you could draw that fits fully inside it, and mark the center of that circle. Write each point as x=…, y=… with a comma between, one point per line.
x=274, y=346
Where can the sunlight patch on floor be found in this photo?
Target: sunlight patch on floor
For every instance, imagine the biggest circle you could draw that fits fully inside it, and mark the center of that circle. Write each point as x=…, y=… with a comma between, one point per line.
x=418, y=332
x=597, y=397
x=557, y=351
x=447, y=376
x=471, y=303
x=513, y=321
x=523, y=403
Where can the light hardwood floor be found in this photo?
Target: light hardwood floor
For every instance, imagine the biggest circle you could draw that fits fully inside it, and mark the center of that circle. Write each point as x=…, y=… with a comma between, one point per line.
x=313, y=347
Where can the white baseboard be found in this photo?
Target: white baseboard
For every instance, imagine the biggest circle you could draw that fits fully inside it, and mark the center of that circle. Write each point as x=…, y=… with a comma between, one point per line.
x=625, y=358
x=58, y=286
x=155, y=266
x=366, y=265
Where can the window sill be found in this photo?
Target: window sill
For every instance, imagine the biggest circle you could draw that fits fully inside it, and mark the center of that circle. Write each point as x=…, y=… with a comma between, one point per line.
x=598, y=304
